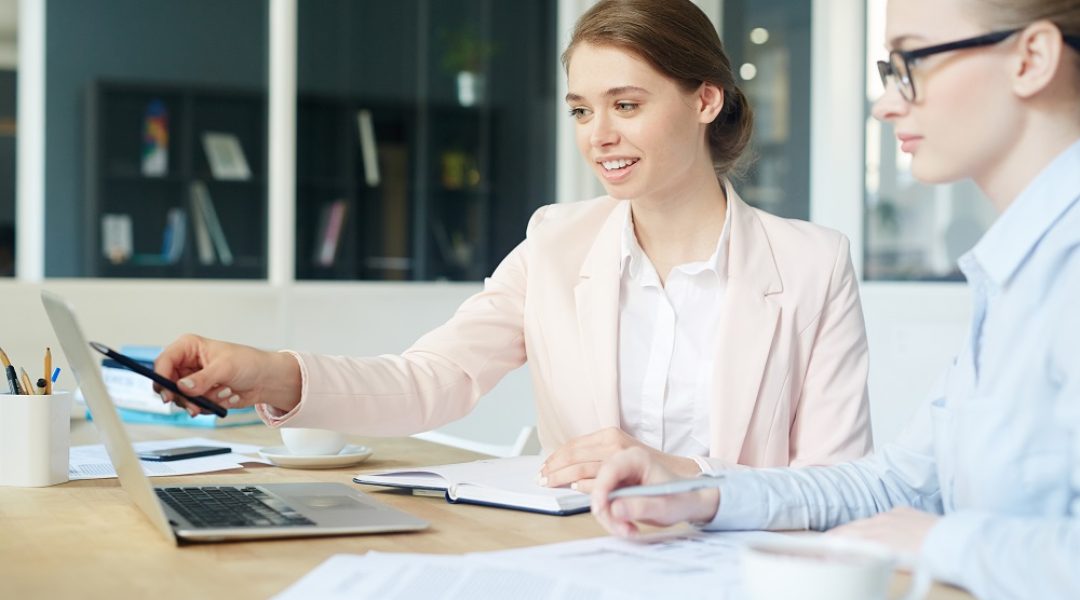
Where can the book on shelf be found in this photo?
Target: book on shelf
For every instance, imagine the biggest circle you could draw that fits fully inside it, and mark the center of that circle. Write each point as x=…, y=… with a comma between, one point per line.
x=331, y=224
x=116, y=237
x=213, y=225
x=499, y=482
x=155, y=150
x=175, y=235
x=225, y=156
x=368, y=153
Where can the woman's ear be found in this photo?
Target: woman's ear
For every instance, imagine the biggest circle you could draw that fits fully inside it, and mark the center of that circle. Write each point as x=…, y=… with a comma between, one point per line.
x=1040, y=51
x=710, y=102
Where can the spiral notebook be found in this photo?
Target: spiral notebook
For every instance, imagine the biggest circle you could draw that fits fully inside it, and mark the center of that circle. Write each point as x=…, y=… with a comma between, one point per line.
x=498, y=482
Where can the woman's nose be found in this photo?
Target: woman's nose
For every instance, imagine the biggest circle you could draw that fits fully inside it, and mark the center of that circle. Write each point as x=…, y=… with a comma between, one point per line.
x=890, y=105
x=603, y=132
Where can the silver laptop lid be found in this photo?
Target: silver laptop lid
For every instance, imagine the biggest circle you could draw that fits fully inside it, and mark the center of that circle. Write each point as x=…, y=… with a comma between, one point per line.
x=117, y=443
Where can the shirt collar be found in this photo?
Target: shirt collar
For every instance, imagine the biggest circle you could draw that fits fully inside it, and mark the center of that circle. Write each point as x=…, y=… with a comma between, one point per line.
x=1013, y=236
x=633, y=259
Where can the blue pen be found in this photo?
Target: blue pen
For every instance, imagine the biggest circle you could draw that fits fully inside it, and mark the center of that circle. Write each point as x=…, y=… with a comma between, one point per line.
x=55, y=374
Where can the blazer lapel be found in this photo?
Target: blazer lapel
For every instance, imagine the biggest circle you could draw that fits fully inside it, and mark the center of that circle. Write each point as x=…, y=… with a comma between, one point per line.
x=747, y=329
x=597, y=299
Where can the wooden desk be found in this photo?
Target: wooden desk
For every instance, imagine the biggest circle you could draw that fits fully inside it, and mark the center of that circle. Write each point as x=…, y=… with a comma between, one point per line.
x=86, y=539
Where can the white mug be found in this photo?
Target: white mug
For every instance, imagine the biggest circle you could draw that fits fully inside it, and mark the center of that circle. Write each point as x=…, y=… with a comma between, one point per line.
x=303, y=441
x=825, y=568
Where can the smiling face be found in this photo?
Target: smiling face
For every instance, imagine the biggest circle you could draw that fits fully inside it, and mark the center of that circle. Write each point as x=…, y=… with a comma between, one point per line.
x=965, y=119
x=641, y=133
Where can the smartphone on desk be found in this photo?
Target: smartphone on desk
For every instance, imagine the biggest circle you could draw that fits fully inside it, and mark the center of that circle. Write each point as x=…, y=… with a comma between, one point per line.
x=166, y=454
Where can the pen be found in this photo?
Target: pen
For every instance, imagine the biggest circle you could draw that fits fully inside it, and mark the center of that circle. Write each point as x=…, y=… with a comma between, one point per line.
x=160, y=380
x=41, y=383
x=13, y=381
x=28, y=387
x=678, y=486
x=48, y=368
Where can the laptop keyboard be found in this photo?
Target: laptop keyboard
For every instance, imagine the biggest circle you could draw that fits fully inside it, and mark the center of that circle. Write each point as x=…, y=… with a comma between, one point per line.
x=227, y=507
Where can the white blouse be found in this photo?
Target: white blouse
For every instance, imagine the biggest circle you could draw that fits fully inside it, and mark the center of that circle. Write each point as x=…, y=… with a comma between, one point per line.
x=667, y=346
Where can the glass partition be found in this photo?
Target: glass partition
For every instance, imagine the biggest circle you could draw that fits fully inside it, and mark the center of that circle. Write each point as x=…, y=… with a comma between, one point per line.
x=425, y=135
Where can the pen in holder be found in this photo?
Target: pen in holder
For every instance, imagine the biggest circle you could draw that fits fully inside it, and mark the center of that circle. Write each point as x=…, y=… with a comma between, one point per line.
x=35, y=439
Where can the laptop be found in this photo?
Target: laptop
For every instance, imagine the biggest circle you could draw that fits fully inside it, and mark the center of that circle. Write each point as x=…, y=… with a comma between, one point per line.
x=222, y=512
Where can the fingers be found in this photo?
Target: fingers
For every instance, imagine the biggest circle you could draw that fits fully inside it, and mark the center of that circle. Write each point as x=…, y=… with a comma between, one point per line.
x=625, y=468
x=571, y=474
x=591, y=448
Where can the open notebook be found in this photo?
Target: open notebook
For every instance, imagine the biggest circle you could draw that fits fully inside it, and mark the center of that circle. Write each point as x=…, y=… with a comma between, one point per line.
x=501, y=482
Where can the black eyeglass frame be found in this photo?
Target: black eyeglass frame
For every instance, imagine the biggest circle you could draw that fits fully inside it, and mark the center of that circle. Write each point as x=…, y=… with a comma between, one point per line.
x=905, y=82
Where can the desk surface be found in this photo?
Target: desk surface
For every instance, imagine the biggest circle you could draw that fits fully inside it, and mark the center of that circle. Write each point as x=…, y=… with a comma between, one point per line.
x=85, y=539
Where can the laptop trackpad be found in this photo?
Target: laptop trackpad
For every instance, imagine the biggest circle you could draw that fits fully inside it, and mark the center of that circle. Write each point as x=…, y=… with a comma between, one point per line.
x=328, y=502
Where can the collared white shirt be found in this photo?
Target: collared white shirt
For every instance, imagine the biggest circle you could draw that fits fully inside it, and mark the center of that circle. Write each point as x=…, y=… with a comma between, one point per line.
x=667, y=346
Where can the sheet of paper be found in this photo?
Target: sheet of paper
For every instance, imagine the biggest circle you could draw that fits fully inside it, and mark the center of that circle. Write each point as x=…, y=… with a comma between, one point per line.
x=92, y=462
x=690, y=565
x=426, y=576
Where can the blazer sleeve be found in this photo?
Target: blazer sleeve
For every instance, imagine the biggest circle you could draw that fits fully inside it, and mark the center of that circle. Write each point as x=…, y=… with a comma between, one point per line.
x=437, y=380
x=832, y=414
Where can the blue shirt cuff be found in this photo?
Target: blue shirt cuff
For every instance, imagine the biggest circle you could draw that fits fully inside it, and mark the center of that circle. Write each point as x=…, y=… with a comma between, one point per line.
x=743, y=504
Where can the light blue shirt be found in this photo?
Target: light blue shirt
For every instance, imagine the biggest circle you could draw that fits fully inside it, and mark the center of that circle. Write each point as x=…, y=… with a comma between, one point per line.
x=996, y=449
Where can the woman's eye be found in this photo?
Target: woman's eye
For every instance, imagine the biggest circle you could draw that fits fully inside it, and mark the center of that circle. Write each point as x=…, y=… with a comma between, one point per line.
x=578, y=113
x=625, y=106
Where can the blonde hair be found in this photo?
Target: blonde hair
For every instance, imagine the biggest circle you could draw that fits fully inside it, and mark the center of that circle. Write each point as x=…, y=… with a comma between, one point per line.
x=1008, y=14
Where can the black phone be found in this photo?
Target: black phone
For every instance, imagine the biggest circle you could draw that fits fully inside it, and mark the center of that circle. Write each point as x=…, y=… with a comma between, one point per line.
x=183, y=452
x=133, y=365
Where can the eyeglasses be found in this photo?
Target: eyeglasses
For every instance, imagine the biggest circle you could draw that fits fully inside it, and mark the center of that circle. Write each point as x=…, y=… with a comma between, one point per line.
x=900, y=61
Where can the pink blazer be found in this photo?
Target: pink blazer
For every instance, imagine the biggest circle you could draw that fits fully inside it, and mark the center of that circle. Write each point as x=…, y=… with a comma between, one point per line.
x=790, y=372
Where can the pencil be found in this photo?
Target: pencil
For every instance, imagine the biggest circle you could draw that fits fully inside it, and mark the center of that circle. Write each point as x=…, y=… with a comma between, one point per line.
x=27, y=384
x=13, y=381
x=48, y=369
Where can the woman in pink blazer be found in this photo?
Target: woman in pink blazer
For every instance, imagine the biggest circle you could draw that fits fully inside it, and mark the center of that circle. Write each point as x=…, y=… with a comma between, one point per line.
x=667, y=314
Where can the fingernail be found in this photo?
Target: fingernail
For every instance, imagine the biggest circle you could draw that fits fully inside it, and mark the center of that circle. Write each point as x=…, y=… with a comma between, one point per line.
x=224, y=393
x=164, y=400
x=188, y=383
x=541, y=481
x=234, y=400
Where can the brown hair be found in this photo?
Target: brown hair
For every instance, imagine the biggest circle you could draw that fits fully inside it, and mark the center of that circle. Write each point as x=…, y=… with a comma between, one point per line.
x=678, y=40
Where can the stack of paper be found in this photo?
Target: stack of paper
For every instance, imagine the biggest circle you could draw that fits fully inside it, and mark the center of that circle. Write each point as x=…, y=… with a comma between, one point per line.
x=695, y=565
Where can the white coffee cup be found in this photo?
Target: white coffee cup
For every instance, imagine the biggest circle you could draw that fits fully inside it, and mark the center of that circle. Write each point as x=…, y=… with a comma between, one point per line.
x=825, y=568
x=303, y=441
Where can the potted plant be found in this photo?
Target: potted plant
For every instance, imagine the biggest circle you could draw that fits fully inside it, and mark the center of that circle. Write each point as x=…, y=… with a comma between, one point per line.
x=466, y=53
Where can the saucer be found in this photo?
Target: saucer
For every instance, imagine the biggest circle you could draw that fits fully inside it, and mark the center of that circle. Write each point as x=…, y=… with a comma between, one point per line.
x=349, y=455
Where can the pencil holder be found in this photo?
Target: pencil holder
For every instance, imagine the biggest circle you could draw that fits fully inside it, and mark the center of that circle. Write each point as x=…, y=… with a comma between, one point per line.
x=35, y=438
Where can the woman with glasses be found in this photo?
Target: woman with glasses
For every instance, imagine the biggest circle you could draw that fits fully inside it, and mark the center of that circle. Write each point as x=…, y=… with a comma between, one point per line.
x=984, y=484
x=667, y=315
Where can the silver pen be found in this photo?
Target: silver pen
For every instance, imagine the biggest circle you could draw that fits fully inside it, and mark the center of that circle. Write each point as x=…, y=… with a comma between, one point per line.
x=678, y=486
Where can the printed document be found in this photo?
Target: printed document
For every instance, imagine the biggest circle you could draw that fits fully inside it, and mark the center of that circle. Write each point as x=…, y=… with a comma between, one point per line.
x=92, y=462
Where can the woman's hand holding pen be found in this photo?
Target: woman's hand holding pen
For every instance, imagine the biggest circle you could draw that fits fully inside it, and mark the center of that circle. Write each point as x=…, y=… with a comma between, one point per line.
x=232, y=375
x=637, y=466
x=578, y=461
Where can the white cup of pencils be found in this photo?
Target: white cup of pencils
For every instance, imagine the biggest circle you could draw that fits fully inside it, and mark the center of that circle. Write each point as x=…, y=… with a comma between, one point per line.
x=35, y=427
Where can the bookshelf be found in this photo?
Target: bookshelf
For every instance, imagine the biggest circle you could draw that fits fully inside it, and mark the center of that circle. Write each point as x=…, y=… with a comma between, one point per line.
x=416, y=187
x=129, y=195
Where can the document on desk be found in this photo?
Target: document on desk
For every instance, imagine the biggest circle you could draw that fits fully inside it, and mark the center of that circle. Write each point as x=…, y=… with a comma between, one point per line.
x=92, y=462
x=688, y=565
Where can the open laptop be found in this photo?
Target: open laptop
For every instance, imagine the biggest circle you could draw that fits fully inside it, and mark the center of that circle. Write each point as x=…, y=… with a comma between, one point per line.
x=224, y=511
